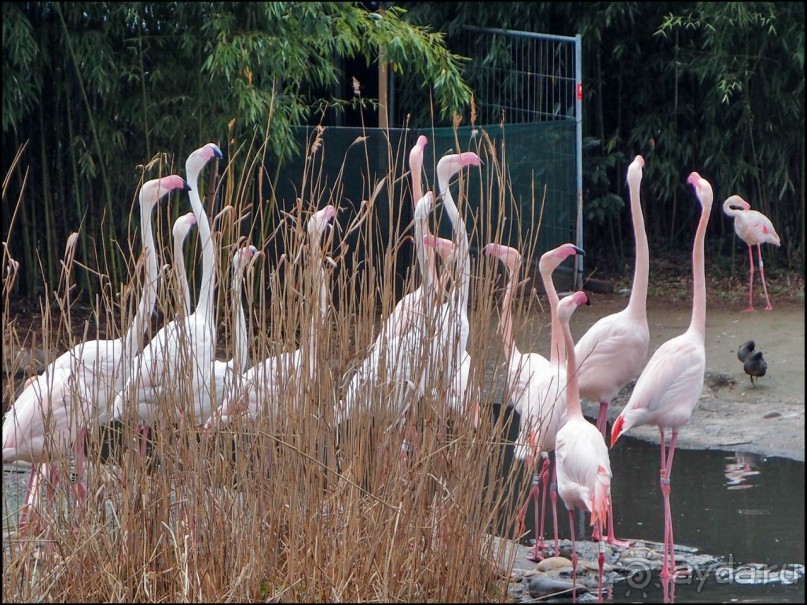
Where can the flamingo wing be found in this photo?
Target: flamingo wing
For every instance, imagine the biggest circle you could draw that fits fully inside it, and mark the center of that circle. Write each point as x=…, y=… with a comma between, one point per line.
x=670, y=385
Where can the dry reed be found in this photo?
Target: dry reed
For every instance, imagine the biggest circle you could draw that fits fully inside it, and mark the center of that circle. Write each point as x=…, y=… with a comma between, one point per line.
x=288, y=506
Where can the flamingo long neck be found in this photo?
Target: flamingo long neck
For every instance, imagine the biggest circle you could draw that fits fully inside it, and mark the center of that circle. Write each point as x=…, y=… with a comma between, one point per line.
x=206, y=290
x=730, y=210
x=557, y=342
x=573, y=407
x=426, y=269
x=698, y=322
x=241, y=348
x=425, y=254
x=463, y=267
x=182, y=276
x=638, y=295
x=148, y=297
x=508, y=343
x=318, y=316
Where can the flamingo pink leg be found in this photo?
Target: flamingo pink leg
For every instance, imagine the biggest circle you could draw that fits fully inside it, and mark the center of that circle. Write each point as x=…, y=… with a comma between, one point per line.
x=602, y=417
x=553, y=496
x=538, y=479
x=668, y=567
x=602, y=424
x=601, y=565
x=31, y=495
x=750, y=280
x=81, y=491
x=768, y=306
x=574, y=558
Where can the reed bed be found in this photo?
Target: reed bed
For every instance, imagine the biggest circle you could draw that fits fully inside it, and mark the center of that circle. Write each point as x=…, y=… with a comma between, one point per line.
x=287, y=506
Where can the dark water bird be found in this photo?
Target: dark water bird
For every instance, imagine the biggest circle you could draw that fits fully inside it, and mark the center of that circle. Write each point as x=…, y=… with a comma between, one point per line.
x=753, y=362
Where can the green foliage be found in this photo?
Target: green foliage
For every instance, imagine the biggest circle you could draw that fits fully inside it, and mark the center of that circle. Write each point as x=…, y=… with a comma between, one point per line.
x=100, y=89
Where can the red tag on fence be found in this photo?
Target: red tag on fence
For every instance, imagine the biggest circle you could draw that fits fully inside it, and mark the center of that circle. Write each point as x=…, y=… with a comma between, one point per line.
x=580, y=91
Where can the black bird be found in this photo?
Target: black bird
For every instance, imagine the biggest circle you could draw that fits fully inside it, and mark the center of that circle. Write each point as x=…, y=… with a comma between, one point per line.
x=753, y=363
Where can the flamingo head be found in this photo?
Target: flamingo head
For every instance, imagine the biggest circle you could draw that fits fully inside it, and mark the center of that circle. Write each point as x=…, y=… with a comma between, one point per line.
x=735, y=202
x=243, y=256
x=152, y=191
x=703, y=189
x=635, y=170
x=510, y=257
x=416, y=154
x=321, y=218
x=452, y=163
x=444, y=247
x=183, y=225
x=199, y=158
x=552, y=258
x=568, y=304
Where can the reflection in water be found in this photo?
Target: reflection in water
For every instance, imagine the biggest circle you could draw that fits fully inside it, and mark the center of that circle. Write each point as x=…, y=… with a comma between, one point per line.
x=741, y=468
x=748, y=529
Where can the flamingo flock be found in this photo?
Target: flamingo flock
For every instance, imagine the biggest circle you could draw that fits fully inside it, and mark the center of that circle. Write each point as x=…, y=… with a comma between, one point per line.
x=421, y=351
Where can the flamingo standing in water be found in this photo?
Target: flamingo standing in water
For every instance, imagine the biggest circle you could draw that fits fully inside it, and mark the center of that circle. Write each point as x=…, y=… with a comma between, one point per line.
x=671, y=383
x=583, y=465
x=57, y=406
x=613, y=350
x=755, y=229
x=537, y=385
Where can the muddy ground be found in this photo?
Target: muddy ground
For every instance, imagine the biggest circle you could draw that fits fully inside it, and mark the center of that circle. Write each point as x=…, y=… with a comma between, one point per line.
x=766, y=418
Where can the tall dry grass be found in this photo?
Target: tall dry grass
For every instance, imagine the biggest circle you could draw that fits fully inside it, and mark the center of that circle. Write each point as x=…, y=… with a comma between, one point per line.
x=289, y=506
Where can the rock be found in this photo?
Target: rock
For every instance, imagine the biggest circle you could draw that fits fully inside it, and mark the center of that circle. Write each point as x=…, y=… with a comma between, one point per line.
x=551, y=563
x=541, y=585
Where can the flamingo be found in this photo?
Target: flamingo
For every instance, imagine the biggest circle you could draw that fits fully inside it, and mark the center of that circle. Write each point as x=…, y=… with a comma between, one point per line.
x=224, y=371
x=56, y=406
x=264, y=382
x=405, y=362
x=458, y=390
x=163, y=355
x=755, y=229
x=451, y=318
x=613, y=350
x=582, y=462
x=395, y=360
x=671, y=383
x=536, y=384
x=403, y=315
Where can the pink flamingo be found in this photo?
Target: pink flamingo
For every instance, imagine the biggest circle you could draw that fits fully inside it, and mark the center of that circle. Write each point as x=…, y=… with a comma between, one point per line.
x=458, y=395
x=263, y=383
x=451, y=327
x=56, y=406
x=405, y=311
x=190, y=339
x=536, y=385
x=672, y=381
x=755, y=229
x=394, y=361
x=613, y=351
x=224, y=372
x=583, y=465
